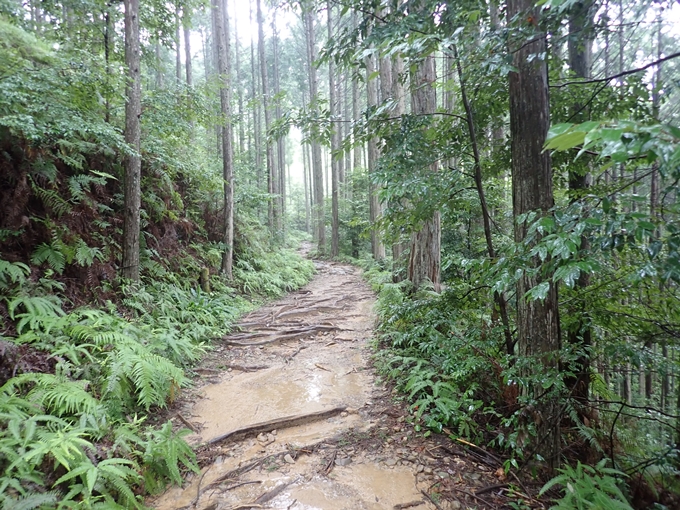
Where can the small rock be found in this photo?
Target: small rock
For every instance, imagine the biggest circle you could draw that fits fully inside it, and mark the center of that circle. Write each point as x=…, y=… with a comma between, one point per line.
x=289, y=459
x=474, y=476
x=274, y=432
x=442, y=474
x=412, y=458
x=428, y=470
x=420, y=468
x=343, y=414
x=262, y=438
x=271, y=438
x=391, y=462
x=344, y=461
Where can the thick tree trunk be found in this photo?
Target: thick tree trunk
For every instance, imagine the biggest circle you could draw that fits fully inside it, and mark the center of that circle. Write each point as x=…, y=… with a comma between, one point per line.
x=224, y=69
x=133, y=162
x=538, y=328
x=425, y=257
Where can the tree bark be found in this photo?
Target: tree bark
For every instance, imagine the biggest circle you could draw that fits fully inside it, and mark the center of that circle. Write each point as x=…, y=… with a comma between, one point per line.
x=280, y=141
x=186, y=23
x=580, y=336
x=425, y=257
x=377, y=247
x=317, y=167
x=335, y=221
x=224, y=69
x=537, y=320
x=133, y=162
x=239, y=90
x=272, y=184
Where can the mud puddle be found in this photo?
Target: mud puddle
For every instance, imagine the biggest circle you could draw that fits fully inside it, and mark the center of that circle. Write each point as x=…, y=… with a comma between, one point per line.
x=290, y=415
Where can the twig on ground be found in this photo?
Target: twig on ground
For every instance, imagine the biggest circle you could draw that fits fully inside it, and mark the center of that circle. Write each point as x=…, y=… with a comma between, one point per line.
x=186, y=423
x=437, y=505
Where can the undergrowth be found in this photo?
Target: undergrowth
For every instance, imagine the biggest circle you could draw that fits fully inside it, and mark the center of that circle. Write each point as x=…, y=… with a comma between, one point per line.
x=77, y=437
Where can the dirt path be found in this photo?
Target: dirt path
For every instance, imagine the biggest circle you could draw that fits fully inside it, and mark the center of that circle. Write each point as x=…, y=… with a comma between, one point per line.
x=290, y=415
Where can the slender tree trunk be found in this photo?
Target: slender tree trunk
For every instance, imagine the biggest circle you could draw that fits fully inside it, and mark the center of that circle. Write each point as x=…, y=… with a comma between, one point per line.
x=580, y=336
x=425, y=257
x=317, y=167
x=272, y=185
x=186, y=22
x=486, y=217
x=335, y=221
x=346, y=132
x=399, y=96
x=178, y=45
x=355, y=107
x=239, y=89
x=538, y=329
x=281, y=141
x=222, y=37
x=377, y=247
x=107, y=64
x=133, y=162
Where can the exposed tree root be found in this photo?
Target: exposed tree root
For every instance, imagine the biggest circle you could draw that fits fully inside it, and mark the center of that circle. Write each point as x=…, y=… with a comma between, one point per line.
x=278, y=423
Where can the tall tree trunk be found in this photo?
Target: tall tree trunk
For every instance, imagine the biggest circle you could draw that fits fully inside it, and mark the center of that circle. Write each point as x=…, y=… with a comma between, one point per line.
x=186, y=23
x=178, y=45
x=399, y=96
x=355, y=107
x=272, y=185
x=222, y=37
x=335, y=220
x=281, y=140
x=257, y=118
x=579, y=336
x=538, y=329
x=239, y=89
x=377, y=247
x=133, y=162
x=499, y=298
x=425, y=257
x=317, y=167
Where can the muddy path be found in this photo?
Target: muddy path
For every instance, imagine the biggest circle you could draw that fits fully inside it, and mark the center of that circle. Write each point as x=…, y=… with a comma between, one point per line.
x=288, y=414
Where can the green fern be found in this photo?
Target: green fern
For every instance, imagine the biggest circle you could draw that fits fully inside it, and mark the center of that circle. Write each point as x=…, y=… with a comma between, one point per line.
x=166, y=453
x=53, y=394
x=52, y=200
x=13, y=273
x=29, y=501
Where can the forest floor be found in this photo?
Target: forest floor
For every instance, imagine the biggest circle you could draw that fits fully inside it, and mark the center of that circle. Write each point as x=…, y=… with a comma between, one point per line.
x=288, y=413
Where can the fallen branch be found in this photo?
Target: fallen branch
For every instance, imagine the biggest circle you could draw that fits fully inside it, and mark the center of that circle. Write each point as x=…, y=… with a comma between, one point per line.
x=187, y=423
x=243, y=368
x=322, y=368
x=410, y=504
x=269, y=495
x=278, y=423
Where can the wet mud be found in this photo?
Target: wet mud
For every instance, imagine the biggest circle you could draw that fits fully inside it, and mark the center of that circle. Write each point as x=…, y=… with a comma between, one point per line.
x=288, y=414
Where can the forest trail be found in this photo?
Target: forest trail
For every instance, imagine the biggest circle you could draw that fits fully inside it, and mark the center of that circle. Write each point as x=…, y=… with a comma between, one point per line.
x=290, y=416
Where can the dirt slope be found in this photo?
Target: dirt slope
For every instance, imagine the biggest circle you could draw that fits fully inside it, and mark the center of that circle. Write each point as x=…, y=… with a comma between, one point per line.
x=289, y=416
